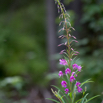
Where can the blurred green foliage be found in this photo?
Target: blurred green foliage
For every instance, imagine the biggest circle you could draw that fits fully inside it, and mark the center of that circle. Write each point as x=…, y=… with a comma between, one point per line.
x=22, y=43
x=91, y=46
x=93, y=15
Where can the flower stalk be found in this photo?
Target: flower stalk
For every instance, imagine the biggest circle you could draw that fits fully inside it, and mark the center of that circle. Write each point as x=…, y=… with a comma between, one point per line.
x=70, y=85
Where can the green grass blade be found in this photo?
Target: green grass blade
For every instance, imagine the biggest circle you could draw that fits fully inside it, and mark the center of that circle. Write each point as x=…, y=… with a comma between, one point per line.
x=87, y=81
x=78, y=100
x=92, y=98
x=53, y=100
x=61, y=97
x=84, y=98
x=62, y=92
x=74, y=93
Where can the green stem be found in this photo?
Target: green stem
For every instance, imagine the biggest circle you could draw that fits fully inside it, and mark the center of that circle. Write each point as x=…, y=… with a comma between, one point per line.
x=68, y=45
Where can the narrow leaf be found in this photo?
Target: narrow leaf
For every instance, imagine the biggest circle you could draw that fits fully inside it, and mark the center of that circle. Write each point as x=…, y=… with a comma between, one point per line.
x=53, y=100
x=92, y=98
x=87, y=81
x=84, y=98
x=61, y=92
x=81, y=99
x=78, y=100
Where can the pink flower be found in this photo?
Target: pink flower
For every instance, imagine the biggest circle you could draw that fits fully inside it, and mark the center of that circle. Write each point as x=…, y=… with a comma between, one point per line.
x=72, y=49
x=66, y=90
x=74, y=37
x=69, y=35
x=73, y=74
x=63, y=61
x=67, y=71
x=77, y=84
x=72, y=78
x=77, y=52
x=62, y=52
x=75, y=66
x=79, y=68
x=60, y=73
x=64, y=84
x=79, y=89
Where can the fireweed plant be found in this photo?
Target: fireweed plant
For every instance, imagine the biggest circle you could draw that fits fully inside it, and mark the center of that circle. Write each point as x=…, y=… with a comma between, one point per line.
x=71, y=86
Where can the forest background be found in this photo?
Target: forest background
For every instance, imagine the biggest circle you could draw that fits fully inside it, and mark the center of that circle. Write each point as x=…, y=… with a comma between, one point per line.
x=29, y=53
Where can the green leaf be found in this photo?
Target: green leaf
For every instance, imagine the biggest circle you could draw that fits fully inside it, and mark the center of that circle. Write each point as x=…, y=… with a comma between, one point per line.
x=70, y=95
x=92, y=98
x=87, y=81
x=84, y=98
x=53, y=100
x=62, y=92
x=83, y=92
x=58, y=95
x=67, y=79
x=78, y=100
x=61, y=98
x=74, y=60
x=74, y=93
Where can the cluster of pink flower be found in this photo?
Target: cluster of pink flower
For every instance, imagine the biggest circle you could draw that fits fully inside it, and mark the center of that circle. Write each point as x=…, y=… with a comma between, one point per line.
x=72, y=75
x=78, y=88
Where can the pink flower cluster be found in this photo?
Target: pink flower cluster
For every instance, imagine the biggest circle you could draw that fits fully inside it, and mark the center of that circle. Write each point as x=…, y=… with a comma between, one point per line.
x=79, y=89
x=66, y=90
x=64, y=84
x=72, y=75
x=75, y=66
x=63, y=62
x=67, y=71
x=60, y=73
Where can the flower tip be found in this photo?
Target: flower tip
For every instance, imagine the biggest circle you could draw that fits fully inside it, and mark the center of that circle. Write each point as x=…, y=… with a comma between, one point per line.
x=66, y=90
x=67, y=71
x=60, y=73
x=79, y=89
x=64, y=84
x=63, y=61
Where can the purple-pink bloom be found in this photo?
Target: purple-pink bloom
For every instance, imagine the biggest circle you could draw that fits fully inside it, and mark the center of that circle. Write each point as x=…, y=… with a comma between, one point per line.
x=74, y=37
x=60, y=73
x=64, y=84
x=75, y=66
x=79, y=68
x=67, y=71
x=78, y=83
x=72, y=78
x=73, y=74
x=62, y=52
x=63, y=62
x=66, y=90
x=72, y=49
x=77, y=52
x=79, y=89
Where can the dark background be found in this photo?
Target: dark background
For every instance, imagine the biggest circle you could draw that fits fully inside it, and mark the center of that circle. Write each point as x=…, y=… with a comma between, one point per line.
x=29, y=53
